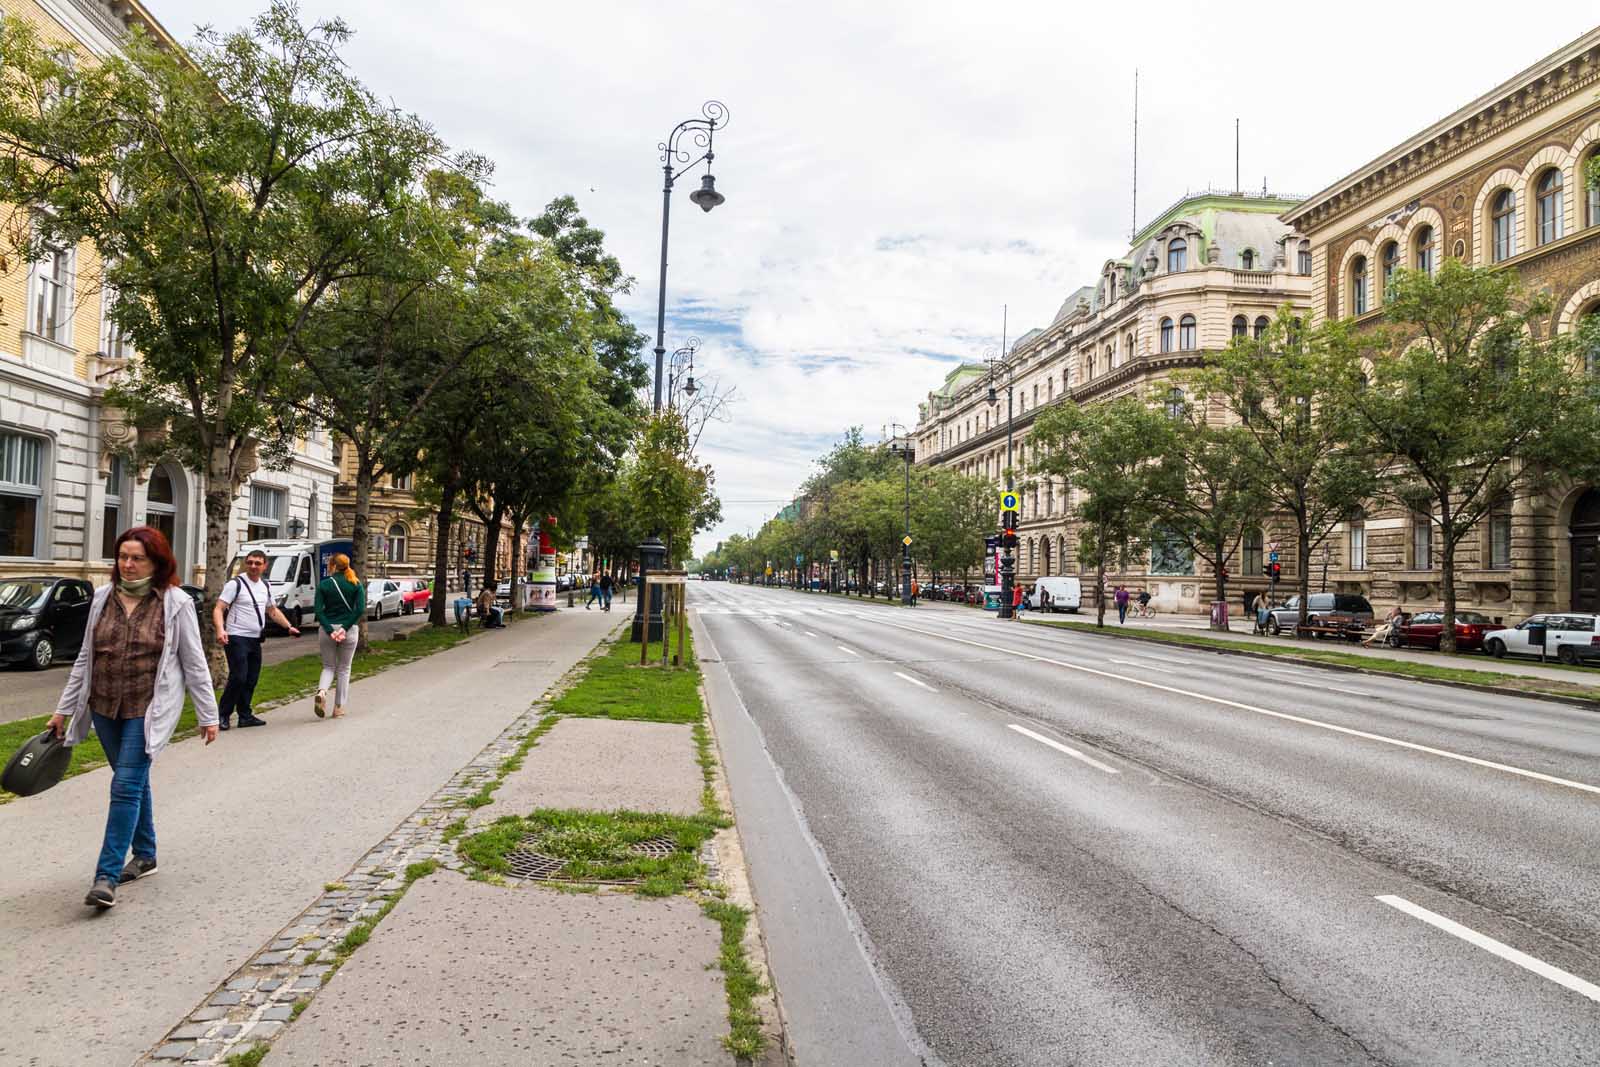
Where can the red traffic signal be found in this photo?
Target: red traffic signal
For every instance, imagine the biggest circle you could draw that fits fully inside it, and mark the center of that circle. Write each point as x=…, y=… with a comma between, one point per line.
x=1008, y=539
x=1277, y=569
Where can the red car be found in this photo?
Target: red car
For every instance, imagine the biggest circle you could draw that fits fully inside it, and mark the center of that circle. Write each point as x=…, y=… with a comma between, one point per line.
x=414, y=595
x=1424, y=629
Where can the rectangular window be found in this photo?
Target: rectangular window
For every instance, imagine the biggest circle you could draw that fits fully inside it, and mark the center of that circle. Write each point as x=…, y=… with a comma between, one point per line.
x=1500, y=539
x=1304, y=261
x=50, y=303
x=1358, y=546
x=266, y=513
x=113, y=510
x=1421, y=543
x=112, y=342
x=21, y=493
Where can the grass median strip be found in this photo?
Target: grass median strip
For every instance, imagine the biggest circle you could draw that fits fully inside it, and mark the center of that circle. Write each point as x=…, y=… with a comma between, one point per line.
x=1419, y=671
x=280, y=682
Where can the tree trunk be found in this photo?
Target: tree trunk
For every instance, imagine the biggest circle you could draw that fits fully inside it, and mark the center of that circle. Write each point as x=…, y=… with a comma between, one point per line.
x=1100, y=590
x=441, y=552
x=491, y=542
x=516, y=557
x=1447, y=574
x=219, y=510
x=1302, y=556
x=360, y=533
x=1222, y=582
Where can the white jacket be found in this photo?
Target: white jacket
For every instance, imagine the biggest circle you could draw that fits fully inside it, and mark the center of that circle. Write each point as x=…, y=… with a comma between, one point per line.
x=183, y=666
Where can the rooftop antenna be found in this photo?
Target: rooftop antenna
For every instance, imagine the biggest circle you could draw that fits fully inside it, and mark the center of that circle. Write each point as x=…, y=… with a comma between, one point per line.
x=1005, y=311
x=1238, y=188
x=1134, y=232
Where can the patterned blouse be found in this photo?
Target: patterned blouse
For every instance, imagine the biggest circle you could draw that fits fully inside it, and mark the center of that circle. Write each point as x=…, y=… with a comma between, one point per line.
x=127, y=651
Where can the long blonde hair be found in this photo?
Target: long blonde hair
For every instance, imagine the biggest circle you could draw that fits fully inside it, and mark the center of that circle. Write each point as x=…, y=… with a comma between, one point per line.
x=339, y=563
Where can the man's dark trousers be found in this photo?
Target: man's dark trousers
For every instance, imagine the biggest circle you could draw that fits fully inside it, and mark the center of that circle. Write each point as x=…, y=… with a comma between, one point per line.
x=244, y=669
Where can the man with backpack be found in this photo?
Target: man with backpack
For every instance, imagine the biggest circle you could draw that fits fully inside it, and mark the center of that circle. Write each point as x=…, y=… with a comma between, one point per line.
x=607, y=587
x=247, y=600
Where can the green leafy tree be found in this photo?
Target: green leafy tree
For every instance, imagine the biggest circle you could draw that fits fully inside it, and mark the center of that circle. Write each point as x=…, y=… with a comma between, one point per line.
x=1471, y=402
x=229, y=188
x=1111, y=453
x=1286, y=391
x=671, y=491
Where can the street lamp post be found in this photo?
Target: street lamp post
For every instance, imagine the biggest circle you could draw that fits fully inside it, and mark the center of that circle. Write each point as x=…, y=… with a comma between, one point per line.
x=675, y=160
x=906, y=451
x=998, y=365
x=679, y=368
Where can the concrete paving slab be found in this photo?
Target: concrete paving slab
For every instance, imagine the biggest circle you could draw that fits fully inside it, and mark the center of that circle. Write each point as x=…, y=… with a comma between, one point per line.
x=462, y=972
x=250, y=828
x=603, y=764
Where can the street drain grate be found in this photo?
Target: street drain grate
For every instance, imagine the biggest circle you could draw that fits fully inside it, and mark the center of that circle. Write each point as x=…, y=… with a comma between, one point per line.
x=528, y=863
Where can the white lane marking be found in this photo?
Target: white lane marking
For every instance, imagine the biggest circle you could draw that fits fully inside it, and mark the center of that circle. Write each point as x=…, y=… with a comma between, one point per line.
x=852, y=651
x=1285, y=716
x=1059, y=747
x=1142, y=665
x=810, y=634
x=914, y=681
x=1489, y=944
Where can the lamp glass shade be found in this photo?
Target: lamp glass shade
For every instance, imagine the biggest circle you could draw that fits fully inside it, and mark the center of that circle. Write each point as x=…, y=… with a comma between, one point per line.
x=690, y=388
x=707, y=196
x=993, y=396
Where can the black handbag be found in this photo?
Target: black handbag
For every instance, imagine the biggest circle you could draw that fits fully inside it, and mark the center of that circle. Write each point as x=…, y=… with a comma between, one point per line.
x=37, y=765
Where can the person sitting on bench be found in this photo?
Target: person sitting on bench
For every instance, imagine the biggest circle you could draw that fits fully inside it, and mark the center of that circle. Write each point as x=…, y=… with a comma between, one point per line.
x=487, y=611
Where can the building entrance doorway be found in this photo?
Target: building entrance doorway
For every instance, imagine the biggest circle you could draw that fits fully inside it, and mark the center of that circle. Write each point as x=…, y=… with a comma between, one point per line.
x=1585, y=532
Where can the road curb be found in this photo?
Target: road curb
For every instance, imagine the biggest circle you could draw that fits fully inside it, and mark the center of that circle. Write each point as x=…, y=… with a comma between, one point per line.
x=1580, y=702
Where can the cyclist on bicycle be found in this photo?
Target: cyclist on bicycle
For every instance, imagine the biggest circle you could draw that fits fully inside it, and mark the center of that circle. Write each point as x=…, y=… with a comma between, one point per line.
x=1144, y=604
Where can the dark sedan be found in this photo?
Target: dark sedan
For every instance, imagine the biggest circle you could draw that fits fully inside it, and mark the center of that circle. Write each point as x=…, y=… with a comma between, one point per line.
x=1424, y=629
x=42, y=619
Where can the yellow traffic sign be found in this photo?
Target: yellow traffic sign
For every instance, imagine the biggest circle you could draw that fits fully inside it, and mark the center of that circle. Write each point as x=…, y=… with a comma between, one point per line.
x=1008, y=501
x=906, y=540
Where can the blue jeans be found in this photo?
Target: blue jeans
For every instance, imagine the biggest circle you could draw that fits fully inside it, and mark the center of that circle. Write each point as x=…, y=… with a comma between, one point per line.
x=131, y=819
x=1122, y=611
x=594, y=594
x=244, y=670
x=605, y=595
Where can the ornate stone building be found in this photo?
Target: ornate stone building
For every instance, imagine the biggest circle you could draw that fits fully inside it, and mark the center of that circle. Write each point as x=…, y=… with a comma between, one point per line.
x=67, y=483
x=1210, y=267
x=1501, y=181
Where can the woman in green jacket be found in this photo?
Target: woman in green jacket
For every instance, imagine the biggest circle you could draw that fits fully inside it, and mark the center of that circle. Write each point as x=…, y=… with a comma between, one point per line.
x=341, y=602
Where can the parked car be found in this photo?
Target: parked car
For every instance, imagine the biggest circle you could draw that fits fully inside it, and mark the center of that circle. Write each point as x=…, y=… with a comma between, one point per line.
x=383, y=598
x=502, y=592
x=1322, y=609
x=42, y=619
x=1425, y=629
x=1571, y=638
x=414, y=595
x=1066, y=593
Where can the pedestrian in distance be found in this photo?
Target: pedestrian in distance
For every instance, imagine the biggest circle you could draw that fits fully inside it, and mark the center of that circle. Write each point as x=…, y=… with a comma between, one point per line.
x=1121, y=598
x=1144, y=605
x=607, y=586
x=340, y=604
x=141, y=652
x=247, y=603
x=915, y=589
x=594, y=592
x=1018, y=602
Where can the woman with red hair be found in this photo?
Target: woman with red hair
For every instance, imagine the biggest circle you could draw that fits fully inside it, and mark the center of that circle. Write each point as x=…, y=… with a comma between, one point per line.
x=141, y=652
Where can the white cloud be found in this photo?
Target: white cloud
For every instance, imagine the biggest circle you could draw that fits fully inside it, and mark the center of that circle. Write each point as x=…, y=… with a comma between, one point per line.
x=896, y=172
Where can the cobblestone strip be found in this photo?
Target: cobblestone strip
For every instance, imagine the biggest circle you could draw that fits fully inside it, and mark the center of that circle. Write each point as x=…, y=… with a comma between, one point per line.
x=258, y=999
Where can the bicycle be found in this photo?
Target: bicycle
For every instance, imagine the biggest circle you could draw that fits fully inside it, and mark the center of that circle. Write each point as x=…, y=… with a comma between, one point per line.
x=1137, y=610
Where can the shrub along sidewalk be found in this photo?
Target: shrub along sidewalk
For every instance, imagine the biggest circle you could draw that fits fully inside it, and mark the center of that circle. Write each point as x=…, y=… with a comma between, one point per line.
x=279, y=684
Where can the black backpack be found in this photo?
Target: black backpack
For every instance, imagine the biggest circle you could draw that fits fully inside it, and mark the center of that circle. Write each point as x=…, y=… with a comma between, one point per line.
x=37, y=765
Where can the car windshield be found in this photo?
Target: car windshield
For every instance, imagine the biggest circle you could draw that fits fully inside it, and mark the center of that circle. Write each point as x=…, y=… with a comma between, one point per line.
x=1474, y=618
x=21, y=593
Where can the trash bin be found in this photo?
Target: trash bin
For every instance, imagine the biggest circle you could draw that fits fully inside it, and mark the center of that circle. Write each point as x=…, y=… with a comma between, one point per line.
x=1219, y=614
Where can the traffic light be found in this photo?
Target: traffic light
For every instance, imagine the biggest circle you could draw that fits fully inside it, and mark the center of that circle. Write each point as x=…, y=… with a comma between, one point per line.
x=1277, y=569
x=472, y=554
x=1008, y=539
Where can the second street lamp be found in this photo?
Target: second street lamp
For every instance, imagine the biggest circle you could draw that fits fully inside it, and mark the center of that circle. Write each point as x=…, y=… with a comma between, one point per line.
x=675, y=160
x=906, y=451
x=999, y=365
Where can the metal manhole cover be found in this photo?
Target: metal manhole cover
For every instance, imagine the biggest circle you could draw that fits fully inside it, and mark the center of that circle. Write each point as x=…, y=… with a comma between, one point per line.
x=528, y=863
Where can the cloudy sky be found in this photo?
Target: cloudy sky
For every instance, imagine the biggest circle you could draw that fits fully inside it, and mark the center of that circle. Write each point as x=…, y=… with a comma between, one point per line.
x=897, y=173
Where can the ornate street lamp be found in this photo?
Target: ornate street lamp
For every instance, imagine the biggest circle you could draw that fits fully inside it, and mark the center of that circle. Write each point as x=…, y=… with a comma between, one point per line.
x=998, y=366
x=679, y=366
x=676, y=159
x=906, y=450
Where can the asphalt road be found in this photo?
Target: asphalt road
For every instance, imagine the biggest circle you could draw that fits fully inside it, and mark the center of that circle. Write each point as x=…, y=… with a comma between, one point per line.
x=25, y=693
x=1056, y=848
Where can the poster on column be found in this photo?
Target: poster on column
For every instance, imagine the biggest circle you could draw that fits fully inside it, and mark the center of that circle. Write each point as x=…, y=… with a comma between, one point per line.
x=544, y=573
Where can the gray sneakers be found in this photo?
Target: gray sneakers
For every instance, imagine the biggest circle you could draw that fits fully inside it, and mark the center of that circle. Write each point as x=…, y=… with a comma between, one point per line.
x=103, y=895
x=136, y=869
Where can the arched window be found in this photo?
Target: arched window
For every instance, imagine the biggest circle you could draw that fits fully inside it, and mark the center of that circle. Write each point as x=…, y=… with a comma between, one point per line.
x=1422, y=249
x=1174, y=404
x=1303, y=260
x=1503, y=225
x=1186, y=333
x=1390, y=258
x=1592, y=200
x=1550, y=205
x=1177, y=255
x=1066, y=378
x=1241, y=326
x=396, y=552
x=1247, y=259
x=1358, y=286
x=1111, y=287
x=1111, y=358
x=1262, y=322
x=1128, y=343
x=1166, y=335
x=1088, y=369
x=1589, y=331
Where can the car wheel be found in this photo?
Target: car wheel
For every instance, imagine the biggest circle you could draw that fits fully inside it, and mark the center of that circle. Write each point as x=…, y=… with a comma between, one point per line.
x=1496, y=648
x=44, y=654
x=1568, y=655
x=297, y=617
x=1273, y=626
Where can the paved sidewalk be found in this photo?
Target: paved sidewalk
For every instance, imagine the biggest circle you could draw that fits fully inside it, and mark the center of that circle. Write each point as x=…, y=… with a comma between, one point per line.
x=251, y=828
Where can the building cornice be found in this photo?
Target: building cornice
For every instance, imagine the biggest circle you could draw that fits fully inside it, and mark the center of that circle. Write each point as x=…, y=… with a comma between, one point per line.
x=1556, y=77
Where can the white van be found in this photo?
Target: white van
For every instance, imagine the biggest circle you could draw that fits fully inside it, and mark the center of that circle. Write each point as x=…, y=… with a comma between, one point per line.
x=1066, y=594
x=293, y=569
